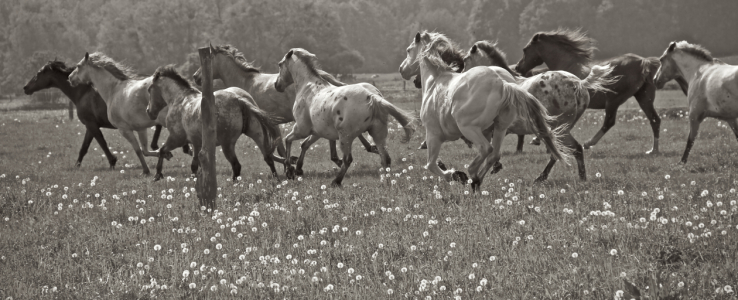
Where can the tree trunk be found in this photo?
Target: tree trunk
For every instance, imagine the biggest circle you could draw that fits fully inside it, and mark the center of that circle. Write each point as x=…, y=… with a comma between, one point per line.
x=207, y=184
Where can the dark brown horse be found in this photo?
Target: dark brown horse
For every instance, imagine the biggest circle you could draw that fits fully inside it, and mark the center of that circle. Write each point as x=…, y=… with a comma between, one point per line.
x=572, y=51
x=91, y=109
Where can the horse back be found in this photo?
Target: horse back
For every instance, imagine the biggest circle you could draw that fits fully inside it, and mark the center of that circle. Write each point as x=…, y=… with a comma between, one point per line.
x=269, y=99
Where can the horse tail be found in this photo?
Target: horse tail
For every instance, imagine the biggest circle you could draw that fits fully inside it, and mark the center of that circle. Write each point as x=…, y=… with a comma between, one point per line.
x=536, y=118
x=380, y=107
x=268, y=123
x=599, y=77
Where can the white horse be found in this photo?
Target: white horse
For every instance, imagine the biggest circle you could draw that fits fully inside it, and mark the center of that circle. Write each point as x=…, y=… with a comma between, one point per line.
x=562, y=93
x=126, y=96
x=474, y=104
x=326, y=108
x=713, y=86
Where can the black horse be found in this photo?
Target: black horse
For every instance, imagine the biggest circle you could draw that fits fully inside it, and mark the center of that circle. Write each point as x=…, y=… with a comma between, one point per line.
x=91, y=109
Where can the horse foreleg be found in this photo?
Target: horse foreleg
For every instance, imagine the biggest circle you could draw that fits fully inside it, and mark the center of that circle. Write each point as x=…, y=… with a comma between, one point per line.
x=303, y=149
x=694, y=127
x=434, y=148
x=143, y=137
x=334, y=153
x=645, y=97
x=85, y=146
x=481, y=143
x=347, y=159
x=521, y=141
x=155, y=138
x=97, y=134
x=296, y=133
x=611, y=114
x=128, y=135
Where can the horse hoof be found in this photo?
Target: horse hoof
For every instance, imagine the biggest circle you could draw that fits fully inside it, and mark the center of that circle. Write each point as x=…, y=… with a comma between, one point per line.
x=423, y=145
x=290, y=172
x=338, y=162
x=373, y=149
x=476, y=183
x=652, y=152
x=293, y=159
x=441, y=165
x=496, y=168
x=79, y=164
x=586, y=146
x=540, y=179
x=535, y=142
x=335, y=184
x=460, y=177
x=112, y=162
x=146, y=173
x=298, y=172
x=158, y=177
x=154, y=147
x=518, y=152
x=167, y=155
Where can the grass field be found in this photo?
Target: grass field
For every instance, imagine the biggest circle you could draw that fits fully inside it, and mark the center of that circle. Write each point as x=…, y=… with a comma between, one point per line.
x=91, y=232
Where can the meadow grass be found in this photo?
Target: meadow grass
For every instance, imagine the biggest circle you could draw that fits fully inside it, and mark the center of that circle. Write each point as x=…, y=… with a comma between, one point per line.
x=91, y=232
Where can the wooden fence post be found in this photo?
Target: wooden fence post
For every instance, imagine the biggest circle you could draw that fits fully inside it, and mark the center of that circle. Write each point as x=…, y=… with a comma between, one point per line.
x=207, y=184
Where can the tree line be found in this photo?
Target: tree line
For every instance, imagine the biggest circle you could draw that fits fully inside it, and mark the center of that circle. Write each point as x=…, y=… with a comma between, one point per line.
x=347, y=35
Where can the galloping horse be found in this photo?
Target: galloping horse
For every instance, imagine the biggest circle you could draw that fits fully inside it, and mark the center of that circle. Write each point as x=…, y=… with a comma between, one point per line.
x=125, y=95
x=230, y=66
x=327, y=108
x=91, y=109
x=237, y=113
x=474, y=104
x=713, y=86
x=572, y=50
x=560, y=92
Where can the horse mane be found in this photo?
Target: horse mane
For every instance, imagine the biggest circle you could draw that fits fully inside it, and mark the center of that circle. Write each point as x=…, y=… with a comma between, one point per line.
x=696, y=50
x=574, y=41
x=170, y=72
x=237, y=57
x=313, y=67
x=498, y=57
x=441, y=52
x=118, y=70
x=59, y=66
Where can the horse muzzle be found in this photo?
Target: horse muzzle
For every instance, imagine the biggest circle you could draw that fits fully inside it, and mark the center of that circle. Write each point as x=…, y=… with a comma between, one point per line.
x=152, y=115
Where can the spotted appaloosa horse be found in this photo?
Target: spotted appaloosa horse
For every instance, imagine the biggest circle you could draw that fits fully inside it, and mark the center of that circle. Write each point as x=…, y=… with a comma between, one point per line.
x=572, y=51
x=561, y=93
x=327, y=108
x=713, y=86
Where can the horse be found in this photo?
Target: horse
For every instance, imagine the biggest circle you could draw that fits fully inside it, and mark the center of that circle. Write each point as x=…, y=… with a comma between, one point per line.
x=713, y=87
x=237, y=114
x=125, y=95
x=230, y=66
x=478, y=104
x=91, y=109
x=572, y=51
x=560, y=92
x=327, y=108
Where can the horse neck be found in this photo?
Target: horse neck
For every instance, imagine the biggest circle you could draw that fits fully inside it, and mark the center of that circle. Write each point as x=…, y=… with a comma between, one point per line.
x=74, y=93
x=689, y=65
x=105, y=83
x=306, y=84
x=428, y=76
x=172, y=92
x=232, y=75
x=558, y=59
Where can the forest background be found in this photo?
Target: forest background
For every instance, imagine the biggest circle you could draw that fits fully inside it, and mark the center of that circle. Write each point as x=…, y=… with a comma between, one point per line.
x=348, y=36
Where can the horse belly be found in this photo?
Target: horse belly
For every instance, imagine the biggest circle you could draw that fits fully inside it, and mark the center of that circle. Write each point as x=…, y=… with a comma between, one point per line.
x=324, y=125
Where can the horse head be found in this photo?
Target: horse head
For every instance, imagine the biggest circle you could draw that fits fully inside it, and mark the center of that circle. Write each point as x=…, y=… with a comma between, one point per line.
x=285, y=77
x=411, y=66
x=43, y=79
x=81, y=74
x=668, y=69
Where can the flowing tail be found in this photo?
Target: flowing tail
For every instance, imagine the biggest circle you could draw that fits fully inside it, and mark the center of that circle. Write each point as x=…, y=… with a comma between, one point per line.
x=530, y=111
x=599, y=77
x=380, y=107
x=268, y=124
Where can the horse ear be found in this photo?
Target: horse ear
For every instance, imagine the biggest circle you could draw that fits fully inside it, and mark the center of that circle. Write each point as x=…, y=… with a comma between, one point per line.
x=672, y=46
x=536, y=37
x=473, y=49
x=87, y=56
x=417, y=37
x=289, y=54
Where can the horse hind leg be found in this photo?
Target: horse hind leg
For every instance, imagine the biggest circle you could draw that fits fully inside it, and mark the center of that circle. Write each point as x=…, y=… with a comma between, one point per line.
x=611, y=115
x=694, y=127
x=347, y=160
x=128, y=135
x=481, y=142
x=379, y=135
x=645, y=97
x=97, y=134
x=230, y=155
